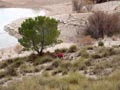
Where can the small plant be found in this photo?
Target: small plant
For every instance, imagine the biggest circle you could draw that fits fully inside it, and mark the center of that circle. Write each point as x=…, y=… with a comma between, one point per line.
x=83, y=53
x=3, y=74
x=59, y=41
x=57, y=71
x=100, y=43
x=96, y=56
x=26, y=68
x=43, y=59
x=79, y=64
x=73, y=48
x=11, y=71
x=45, y=74
x=62, y=50
x=56, y=63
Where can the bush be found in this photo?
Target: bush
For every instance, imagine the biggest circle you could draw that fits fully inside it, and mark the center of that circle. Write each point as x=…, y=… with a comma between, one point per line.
x=101, y=24
x=83, y=53
x=79, y=64
x=11, y=71
x=3, y=74
x=73, y=48
x=56, y=63
x=100, y=43
x=43, y=59
x=63, y=50
x=26, y=68
x=96, y=56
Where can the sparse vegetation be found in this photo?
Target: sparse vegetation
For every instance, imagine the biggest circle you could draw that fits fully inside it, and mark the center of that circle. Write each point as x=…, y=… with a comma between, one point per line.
x=73, y=48
x=98, y=61
x=100, y=43
x=70, y=82
x=42, y=60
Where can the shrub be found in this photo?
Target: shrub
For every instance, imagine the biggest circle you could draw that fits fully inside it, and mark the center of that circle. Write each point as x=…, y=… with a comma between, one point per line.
x=74, y=78
x=63, y=50
x=4, y=64
x=11, y=71
x=100, y=43
x=65, y=66
x=26, y=68
x=57, y=71
x=43, y=59
x=73, y=48
x=3, y=74
x=56, y=63
x=79, y=64
x=45, y=74
x=83, y=53
x=101, y=24
x=96, y=56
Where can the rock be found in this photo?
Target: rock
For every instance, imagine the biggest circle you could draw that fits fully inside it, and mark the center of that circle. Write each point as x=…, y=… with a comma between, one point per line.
x=69, y=24
x=12, y=28
x=111, y=6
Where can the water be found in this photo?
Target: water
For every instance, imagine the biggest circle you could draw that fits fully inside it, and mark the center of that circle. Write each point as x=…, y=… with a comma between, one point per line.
x=7, y=15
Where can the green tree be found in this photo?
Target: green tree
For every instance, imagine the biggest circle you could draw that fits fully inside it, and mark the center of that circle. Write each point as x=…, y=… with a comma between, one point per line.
x=38, y=33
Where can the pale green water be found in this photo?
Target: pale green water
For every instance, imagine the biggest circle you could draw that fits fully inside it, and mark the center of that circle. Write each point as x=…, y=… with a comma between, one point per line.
x=8, y=15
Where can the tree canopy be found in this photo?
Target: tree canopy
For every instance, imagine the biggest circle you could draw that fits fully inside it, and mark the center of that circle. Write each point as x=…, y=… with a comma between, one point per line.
x=38, y=32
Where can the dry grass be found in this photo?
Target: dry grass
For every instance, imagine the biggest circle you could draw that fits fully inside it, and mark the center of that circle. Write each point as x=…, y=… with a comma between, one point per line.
x=73, y=81
x=65, y=74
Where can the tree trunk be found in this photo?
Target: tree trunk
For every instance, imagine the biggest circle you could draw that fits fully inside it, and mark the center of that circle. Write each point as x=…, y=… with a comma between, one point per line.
x=40, y=53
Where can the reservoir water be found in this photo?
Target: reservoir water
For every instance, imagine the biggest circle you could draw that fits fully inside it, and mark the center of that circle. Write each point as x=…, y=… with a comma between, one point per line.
x=7, y=15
